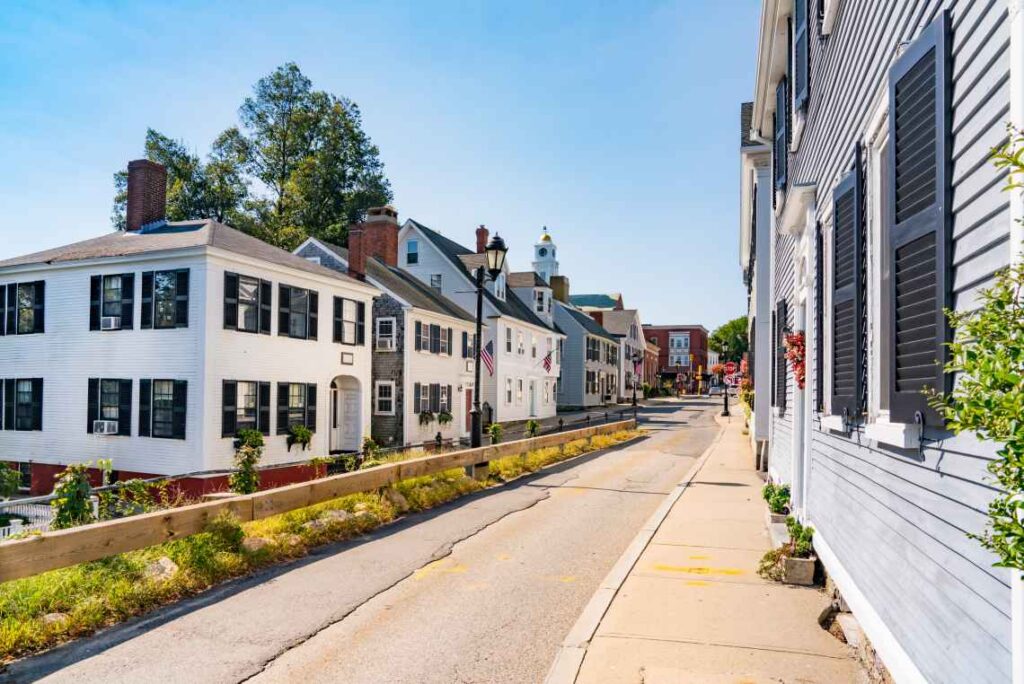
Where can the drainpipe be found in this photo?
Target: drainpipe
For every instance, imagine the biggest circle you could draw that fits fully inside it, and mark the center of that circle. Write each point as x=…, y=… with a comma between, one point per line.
x=1016, y=19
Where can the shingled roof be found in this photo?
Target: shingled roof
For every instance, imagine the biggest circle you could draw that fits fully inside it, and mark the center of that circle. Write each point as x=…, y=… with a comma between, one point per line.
x=170, y=236
x=746, y=116
x=526, y=279
x=588, y=323
x=595, y=301
x=511, y=306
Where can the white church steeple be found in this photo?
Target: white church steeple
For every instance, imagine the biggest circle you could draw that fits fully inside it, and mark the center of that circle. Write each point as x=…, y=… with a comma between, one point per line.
x=545, y=261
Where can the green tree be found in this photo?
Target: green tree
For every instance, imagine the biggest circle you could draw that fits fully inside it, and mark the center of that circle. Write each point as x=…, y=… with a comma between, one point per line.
x=733, y=333
x=299, y=164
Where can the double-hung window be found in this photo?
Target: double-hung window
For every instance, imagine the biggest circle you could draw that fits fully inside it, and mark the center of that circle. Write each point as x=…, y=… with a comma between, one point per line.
x=520, y=343
x=412, y=252
x=165, y=299
x=23, y=404
x=384, y=402
x=24, y=308
x=110, y=400
x=539, y=305
x=519, y=391
x=245, y=405
x=435, y=282
x=296, y=405
x=508, y=340
x=508, y=391
x=247, y=305
x=298, y=312
x=163, y=408
x=349, y=321
x=112, y=301
x=385, y=334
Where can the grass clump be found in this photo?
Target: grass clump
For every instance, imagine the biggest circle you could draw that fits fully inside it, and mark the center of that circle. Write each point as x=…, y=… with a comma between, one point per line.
x=511, y=467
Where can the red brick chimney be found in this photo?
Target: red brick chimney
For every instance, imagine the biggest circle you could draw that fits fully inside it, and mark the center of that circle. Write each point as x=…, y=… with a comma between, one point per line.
x=147, y=193
x=377, y=236
x=481, y=238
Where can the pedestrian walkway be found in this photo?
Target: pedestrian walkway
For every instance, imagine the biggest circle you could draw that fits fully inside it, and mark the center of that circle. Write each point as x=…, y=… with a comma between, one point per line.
x=685, y=604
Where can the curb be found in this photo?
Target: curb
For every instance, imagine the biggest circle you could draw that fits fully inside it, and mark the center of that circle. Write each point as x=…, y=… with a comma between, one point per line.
x=569, y=659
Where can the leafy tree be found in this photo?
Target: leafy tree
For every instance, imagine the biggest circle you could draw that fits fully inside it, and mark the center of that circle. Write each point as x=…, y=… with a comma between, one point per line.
x=733, y=333
x=10, y=480
x=298, y=164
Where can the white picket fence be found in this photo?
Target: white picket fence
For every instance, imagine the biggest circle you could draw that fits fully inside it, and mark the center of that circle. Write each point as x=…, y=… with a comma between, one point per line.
x=35, y=510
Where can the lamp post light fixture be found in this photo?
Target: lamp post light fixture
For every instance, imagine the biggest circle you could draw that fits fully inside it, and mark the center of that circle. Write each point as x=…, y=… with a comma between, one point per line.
x=494, y=253
x=636, y=359
x=725, y=386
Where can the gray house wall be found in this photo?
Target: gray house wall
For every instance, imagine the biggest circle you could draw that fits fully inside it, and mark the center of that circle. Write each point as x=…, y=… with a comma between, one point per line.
x=389, y=365
x=896, y=521
x=570, y=386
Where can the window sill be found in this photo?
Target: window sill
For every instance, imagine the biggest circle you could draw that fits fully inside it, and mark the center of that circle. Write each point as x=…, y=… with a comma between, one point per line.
x=901, y=435
x=834, y=423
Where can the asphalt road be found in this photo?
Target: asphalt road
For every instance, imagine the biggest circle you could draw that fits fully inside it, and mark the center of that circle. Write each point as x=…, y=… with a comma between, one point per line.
x=481, y=590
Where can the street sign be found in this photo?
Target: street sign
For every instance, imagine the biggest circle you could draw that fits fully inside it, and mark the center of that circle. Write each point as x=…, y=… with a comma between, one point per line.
x=730, y=367
x=733, y=380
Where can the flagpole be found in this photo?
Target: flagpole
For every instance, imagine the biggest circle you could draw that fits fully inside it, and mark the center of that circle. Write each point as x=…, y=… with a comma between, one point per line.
x=476, y=426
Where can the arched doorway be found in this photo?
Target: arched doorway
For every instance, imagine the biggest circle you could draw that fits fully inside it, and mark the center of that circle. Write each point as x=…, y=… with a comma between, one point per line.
x=346, y=419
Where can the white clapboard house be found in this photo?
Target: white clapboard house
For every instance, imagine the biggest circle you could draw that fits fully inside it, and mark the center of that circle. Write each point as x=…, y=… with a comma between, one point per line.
x=154, y=345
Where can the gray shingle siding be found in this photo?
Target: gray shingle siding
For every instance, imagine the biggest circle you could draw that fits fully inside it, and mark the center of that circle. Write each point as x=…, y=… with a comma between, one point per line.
x=389, y=365
x=897, y=520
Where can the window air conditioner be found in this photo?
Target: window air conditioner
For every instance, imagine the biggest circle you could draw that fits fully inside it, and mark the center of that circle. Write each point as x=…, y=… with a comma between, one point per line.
x=110, y=323
x=104, y=427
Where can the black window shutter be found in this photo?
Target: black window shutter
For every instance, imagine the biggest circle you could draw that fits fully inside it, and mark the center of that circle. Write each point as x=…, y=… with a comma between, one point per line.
x=465, y=344
x=266, y=313
x=416, y=389
x=435, y=397
x=847, y=282
x=124, y=407
x=93, y=403
x=145, y=405
x=146, y=318
x=39, y=306
x=181, y=305
x=781, y=150
x=282, y=408
x=338, y=308
x=801, y=54
x=95, y=290
x=284, y=310
x=314, y=311
x=229, y=408
x=9, y=403
x=781, y=376
x=419, y=331
x=37, y=403
x=180, y=407
x=12, y=309
x=435, y=338
x=230, y=302
x=360, y=323
x=451, y=341
x=263, y=418
x=311, y=407
x=819, y=319
x=919, y=220
x=127, y=301
x=450, y=400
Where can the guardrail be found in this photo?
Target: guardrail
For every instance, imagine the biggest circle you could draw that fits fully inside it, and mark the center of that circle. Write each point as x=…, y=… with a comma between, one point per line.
x=62, y=548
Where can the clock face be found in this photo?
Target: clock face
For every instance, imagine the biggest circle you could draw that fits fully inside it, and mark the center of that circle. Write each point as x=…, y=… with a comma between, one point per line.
x=543, y=251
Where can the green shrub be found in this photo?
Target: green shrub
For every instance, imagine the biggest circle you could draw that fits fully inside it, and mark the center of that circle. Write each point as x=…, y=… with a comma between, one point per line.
x=10, y=480
x=494, y=430
x=800, y=545
x=777, y=497
x=532, y=428
x=71, y=505
x=444, y=418
x=249, y=451
x=299, y=434
x=426, y=417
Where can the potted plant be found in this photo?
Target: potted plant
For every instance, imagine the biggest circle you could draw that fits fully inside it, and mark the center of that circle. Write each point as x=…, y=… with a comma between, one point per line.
x=495, y=431
x=426, y=417
x=794, y=562
x=299, y=434
x=444, y=418
x=796, y=354
x=777, y=497
x=532, y=428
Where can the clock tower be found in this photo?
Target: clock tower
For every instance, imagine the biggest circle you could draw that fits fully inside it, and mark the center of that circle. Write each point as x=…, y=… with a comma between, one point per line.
x=545, y=262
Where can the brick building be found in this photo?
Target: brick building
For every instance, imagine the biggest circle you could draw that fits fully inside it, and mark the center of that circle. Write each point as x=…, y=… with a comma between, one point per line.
x=682, y=350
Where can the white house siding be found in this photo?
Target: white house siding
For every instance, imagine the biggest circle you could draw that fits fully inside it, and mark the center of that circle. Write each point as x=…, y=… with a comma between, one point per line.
x=68, y=354
x=526, y=368
x=235, y=355
x=896, y=521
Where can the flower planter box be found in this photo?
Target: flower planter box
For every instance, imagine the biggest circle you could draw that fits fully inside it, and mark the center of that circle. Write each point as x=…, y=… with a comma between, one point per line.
x=799, y=570
x=774, y=518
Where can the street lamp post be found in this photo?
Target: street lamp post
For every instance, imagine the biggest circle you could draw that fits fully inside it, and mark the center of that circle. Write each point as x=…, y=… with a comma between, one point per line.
x=495, y=253
x=725, y=386
x=636, y=359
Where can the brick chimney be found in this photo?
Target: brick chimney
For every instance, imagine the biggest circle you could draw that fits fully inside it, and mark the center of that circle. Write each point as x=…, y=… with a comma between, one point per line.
x=560, y=288
x=147, y=193
x=377, y=236
x=481, y=238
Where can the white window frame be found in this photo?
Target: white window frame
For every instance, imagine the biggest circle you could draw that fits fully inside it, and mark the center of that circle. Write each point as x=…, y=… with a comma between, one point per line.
x=508, y=340
x=390, y=339
x=499, y=287
x=412, y=247
x=437, y=281
x=520, y=343
x=519, y=391
x=508, y=391
x=377, y=411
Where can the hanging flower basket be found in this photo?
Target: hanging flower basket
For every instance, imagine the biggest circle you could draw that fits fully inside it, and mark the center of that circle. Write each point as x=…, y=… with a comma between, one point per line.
x=796, y=354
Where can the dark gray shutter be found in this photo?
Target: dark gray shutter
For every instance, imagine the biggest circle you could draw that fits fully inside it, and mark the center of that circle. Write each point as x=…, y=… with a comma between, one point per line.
x=266, y=313
x=9, y=403
x=124, y=407
x=263, y=417
x=230, y=303
x=284, y=310
x=360, y=323
x=339, y=307
x=781, y=150
x=127, y=301
x=181, y=301
x=37, y=403
x=451, y=400
x=311, y=407
x=146, y=318
x=180, y=408
x=435, y=397
x=819, y=319
x=435, y=338
x=919, y=220
x=465, y=344
x=145, y=405
x=451, y=341
x=92, y=403
x=314, y=311
x=12, y=309
x=39, y=307
x=781, y=376
x=228, y=408
x=801, y=55
x=282, y=408
x=847, y=283
x=419, y=331
x=95, y=293
x=416, y=389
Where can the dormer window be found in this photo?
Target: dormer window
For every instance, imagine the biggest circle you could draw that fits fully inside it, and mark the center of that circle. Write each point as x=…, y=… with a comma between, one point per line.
x=412, y=252
x=499, y=287
x=539, y=297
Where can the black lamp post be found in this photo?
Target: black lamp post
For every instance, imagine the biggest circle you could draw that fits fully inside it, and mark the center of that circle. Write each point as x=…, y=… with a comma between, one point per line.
x=725, y=386
x=637, y=358
x=495, y=253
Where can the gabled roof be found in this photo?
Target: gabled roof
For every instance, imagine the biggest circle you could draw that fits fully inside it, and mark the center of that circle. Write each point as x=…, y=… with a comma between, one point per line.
x=617, y=322
x=511, y=306
x=588, y=323
x=526, y=279
x=596, y=301
x=171, y=236
x=403, y=285
x=746, y=115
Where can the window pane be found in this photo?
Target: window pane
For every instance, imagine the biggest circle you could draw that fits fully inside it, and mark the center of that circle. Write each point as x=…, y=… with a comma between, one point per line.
x=246, y=409
x=110, y=399
x=296, y=404
x=163, y=408
x=248, y=304
x=26, y=310
x=412, y=255
x=165, y=290
x=23, y=405
x=112, y=295
x=299, y=312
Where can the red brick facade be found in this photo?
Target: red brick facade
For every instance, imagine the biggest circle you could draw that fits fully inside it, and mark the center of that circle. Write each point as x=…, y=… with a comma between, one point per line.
x=147, y=193
x=661, y=334
x=375, y=237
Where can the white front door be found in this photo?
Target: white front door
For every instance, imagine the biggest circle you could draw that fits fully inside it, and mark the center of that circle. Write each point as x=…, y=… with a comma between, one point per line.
x=344, y=419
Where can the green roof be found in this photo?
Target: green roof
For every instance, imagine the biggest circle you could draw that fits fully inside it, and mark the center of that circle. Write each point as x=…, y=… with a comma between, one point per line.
x=600, y=301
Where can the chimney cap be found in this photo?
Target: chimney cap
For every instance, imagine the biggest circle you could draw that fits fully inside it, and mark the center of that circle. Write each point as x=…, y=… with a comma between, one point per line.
x=385, y=213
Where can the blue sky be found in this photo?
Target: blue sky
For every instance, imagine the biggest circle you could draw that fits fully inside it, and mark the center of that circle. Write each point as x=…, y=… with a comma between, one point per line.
x=613, y=123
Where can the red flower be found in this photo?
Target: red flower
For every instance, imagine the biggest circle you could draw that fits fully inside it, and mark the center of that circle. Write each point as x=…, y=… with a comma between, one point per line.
x=796, y=354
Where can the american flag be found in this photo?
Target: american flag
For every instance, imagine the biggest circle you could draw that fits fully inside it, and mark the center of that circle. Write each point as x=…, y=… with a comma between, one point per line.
x=547, y=362
x=487, y=355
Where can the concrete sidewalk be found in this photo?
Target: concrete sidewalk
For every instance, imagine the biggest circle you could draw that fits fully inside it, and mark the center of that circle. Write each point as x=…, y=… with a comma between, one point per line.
x=685, y=604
